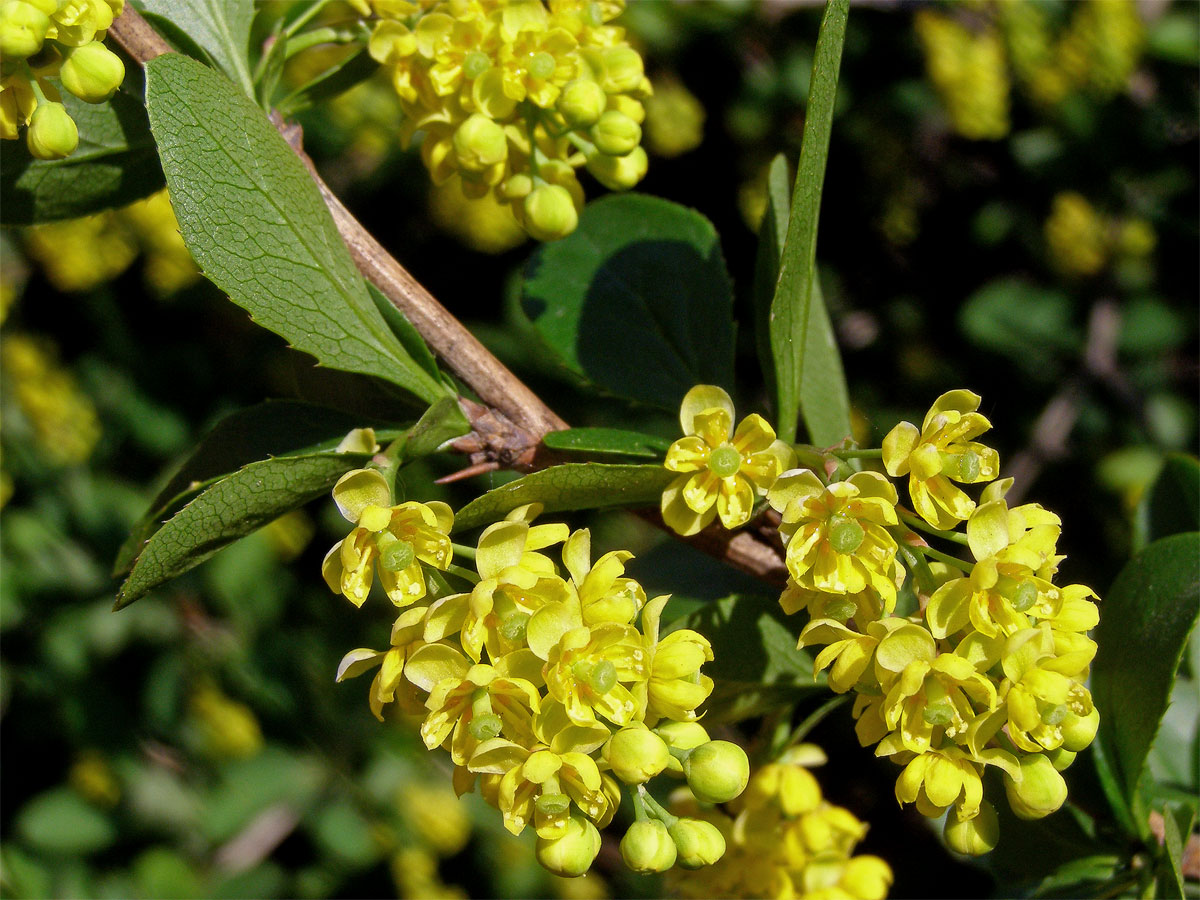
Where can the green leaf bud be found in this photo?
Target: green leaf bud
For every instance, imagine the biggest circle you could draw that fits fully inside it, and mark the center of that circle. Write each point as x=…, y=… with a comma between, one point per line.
x=22, y=29
x=973, y=837
x=697, y=843
x=647, y=847
x=550, y=212
x=1079, y=731
x=616, y=134
x=681, y=736
x=619, y=173
x=92, y=72
x=52, y=133
x=1040, y=790
x=636, y=754
x=571, y=854
x=479, y=144
x=623, y=70
x=582, y=102
x=717, y=771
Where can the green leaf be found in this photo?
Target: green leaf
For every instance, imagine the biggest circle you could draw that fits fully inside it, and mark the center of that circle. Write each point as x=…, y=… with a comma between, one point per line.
x=1145, y=622
x=231, y=508
x=612, y=441
x=255, y=223
x=221, y=28
x=790, y=308
x=442, y=422
x=408, y=336
x=756, y=665
x=637, y=300
x=824, y=397
x=1021, y=320
x=337, y=79
x=61, y=822
x=570, y=486
x=1177, y=828
x=115, y=164
x=771, y=235
x=1068, y=879
x=1172, y=504
x=273, y=428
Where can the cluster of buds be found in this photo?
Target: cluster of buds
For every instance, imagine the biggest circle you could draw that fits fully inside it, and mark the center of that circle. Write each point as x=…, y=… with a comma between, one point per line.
x=785, y=840
x=513, y=96
x=1082, y=241
x=549, y=687
x=990, y=670
x=43, y=39
x=1098, y=49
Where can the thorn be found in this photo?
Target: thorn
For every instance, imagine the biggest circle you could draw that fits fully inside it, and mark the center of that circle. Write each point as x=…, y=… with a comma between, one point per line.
x=468, y=472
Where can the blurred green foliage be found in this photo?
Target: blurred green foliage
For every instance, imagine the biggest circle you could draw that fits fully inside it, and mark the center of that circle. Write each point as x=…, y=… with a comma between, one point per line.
x=195, y=745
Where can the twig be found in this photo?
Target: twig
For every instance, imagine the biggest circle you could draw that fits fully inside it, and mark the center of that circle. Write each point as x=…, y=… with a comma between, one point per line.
x=508, y=430
x=258, y=840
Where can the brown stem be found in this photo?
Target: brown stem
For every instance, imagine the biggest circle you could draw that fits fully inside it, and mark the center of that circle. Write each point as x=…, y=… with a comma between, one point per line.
x=508, y=430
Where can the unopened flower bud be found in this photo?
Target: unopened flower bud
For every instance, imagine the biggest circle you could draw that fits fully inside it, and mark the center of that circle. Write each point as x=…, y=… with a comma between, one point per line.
x=975, y=836
x=1040, y=791
x=619, y=173
x=52, y=133
x=22, y=29
x=866, y=877
x=582, y=102
x=615, y=134
x=636, y=754
x=479, y=143
x=570, y=855
x=550, y=212
x=1061, y=758
x=647, y=847
x=515, y=187
x=698, y=843
x=1078, y=731
x=681, y=736
x=623, y=70
x=92, y=72
x=717, y=771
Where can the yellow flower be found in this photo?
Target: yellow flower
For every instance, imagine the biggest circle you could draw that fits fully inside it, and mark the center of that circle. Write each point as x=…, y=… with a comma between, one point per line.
x=724, y=473
x=391, y=540
x=1040, y=698
x=468, y=703
x=539, y=785
x=836, y=536
x=675, y=686
x=590, y=670
x=940, y=453
x=405, y=639
x=605, y=593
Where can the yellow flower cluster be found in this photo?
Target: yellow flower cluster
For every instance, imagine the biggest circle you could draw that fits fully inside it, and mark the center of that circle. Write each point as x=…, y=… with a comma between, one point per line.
x=1097, y=51
x=991, y=669
x=514, y=95
x=539, y=681
x=969, y=72
x=40, y=39
x=674, y=120
x=969, y=56
x=724, y=471
x=786, y=841
x=1081, y=240
x=80, y=254
x=61, y=417
x=437, y=827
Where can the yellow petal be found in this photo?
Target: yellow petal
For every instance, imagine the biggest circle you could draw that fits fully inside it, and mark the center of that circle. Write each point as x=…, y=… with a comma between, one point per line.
x=687, y=454
x=699, y=399
x=735, y=500
x=897, y=445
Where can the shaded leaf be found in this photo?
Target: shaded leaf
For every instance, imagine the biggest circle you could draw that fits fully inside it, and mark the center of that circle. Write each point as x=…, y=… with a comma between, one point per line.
x=791, y=316
x=273, y=428
x=61, y=822
x=115, y=164
x=442, y=422
x=756, y=664
x=1172, y=504
x=570, y=486
x=637, y=300
x=231, y=508
x=257, y=227
x=1020, y=319
x=1146, y=619
x=607, y=440
x=221, y=28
